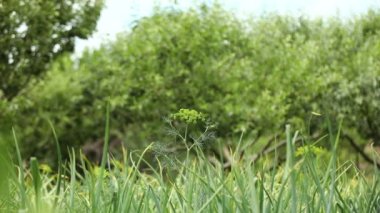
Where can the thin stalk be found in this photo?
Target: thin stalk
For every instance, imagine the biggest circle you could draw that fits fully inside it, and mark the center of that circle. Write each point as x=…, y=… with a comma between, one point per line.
x=72, y=179
x=59, y=158
x=37, y=183
x=21, y=182
x=290, y=165
x=99, y=181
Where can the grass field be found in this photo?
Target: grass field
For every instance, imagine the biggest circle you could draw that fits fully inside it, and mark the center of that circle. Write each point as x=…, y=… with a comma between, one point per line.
x=305, y=182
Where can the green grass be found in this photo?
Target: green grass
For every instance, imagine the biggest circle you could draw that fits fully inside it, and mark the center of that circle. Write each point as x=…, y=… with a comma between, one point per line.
x=303, y=184
x=310, y=180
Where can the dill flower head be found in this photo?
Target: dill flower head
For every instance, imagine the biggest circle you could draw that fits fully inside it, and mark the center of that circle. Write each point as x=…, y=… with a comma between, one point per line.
x=188, y=116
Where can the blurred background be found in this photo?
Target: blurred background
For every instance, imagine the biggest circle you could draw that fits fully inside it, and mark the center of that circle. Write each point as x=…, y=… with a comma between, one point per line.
x=250, y=67
x=120, y=15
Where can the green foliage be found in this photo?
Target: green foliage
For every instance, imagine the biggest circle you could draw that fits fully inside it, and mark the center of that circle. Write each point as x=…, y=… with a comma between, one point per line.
x=297, y=186
x=310, y=150
x=33, y=33
x=7, y=170
x=55, y=100
x=254, y=75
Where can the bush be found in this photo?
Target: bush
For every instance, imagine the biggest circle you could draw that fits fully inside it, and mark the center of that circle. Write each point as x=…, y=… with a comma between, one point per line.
x=253, y=75
x=33, y=33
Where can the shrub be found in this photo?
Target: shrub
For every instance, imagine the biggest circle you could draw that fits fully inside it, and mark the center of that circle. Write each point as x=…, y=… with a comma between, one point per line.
x=254, y=75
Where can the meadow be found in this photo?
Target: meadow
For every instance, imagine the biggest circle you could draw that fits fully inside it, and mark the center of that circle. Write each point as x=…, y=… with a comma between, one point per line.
x=309, y=180
x=193, y=111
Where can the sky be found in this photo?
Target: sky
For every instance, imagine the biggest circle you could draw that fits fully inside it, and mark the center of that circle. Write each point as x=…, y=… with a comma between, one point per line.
x=119, y=15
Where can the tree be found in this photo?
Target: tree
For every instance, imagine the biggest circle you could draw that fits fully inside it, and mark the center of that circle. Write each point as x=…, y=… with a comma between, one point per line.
x=35, y=32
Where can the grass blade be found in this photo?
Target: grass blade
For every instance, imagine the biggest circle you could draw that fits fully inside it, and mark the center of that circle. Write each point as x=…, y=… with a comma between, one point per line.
x=21, y=182
x=59, y=158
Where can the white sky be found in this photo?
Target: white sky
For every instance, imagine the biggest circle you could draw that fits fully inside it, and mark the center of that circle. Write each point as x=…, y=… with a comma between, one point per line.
x=120, y=14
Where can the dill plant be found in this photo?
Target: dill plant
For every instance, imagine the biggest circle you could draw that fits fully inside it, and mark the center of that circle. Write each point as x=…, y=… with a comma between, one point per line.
x=188, y=131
